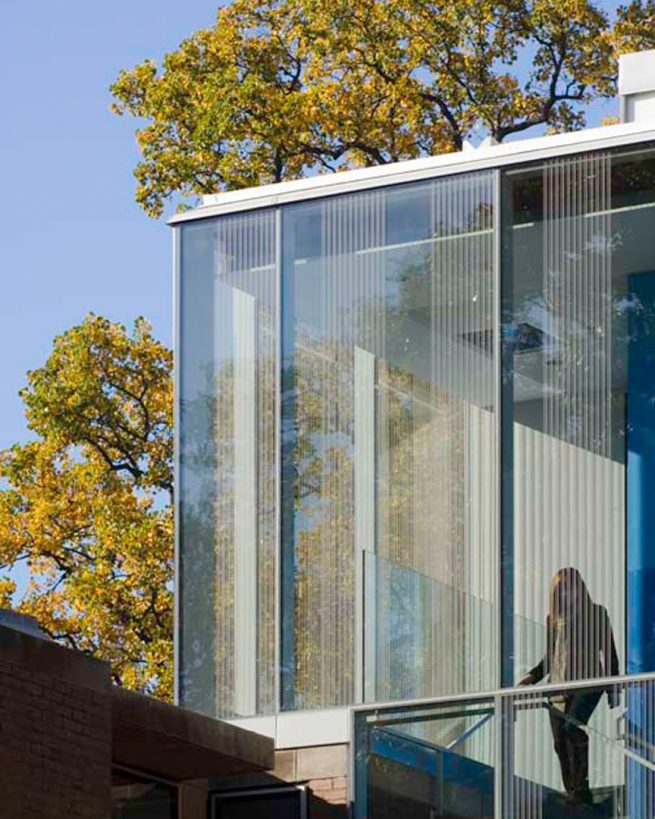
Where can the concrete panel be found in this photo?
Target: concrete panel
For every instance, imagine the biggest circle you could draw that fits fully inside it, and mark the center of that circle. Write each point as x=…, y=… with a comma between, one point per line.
x=325, y=762
x=302, y=729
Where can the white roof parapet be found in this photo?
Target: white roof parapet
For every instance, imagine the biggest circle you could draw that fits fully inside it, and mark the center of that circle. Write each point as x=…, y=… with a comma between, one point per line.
x=412, y=170
x=637, y=86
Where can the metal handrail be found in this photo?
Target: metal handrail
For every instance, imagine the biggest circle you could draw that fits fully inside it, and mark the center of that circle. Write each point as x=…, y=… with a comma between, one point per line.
x=473, y=697
x=469, y=731
x=503, y=703
x=614, y=743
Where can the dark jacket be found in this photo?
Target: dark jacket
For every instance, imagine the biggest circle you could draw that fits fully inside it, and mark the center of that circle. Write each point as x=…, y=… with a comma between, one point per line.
x=592, y=652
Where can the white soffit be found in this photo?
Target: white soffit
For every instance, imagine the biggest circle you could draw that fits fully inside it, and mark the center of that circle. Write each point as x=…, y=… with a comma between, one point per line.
x=497, y=156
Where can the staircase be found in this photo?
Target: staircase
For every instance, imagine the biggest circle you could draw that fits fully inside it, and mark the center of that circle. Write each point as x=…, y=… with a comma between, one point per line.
x=416, y=779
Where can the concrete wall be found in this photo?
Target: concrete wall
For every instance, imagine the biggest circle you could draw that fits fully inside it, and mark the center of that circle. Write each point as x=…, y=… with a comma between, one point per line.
x=55, y=732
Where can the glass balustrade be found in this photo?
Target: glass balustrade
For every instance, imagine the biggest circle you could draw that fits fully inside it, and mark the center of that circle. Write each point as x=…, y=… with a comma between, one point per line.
x=425, y=638
x=537, y=752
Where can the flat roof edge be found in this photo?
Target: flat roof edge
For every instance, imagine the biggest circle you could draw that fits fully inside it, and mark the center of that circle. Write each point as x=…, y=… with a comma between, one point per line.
x=414, y=170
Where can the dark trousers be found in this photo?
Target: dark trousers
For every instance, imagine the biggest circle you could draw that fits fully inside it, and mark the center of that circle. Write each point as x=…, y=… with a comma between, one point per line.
x=571, y=742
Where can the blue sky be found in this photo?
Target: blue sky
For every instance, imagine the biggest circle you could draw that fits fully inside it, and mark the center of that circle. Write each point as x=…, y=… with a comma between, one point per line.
x=73, y=240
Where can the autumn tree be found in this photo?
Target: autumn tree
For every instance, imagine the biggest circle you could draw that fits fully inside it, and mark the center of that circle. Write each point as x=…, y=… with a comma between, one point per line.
x=85, y=507
x=635, y=27
x=281, y=88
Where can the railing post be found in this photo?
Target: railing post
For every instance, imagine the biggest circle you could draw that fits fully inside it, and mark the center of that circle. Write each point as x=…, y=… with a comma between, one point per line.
x=359, y=744
x=504, y=755
x=498, y=757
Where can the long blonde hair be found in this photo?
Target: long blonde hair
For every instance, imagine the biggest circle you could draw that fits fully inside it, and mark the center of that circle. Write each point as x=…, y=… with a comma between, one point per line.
x=568, y=582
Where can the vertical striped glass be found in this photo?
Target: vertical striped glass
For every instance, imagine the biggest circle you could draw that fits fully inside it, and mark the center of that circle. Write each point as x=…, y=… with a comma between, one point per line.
x=568, y=411
x=228, y=465
x=389, y=507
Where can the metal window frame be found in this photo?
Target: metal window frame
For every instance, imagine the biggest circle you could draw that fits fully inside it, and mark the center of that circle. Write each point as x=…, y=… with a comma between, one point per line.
x=177, y=379
x=244, y=793
x=154, y=779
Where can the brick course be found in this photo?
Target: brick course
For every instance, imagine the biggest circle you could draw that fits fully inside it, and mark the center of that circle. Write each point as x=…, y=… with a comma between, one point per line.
x=62, y=724
x=323, y=769
x=55, y=731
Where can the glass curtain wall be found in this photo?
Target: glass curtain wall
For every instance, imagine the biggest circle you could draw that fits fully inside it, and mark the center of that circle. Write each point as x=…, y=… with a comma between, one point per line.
x=338, y=490
x=228, y=465
x=389, y=444
x=578, y=318
x=383, y=409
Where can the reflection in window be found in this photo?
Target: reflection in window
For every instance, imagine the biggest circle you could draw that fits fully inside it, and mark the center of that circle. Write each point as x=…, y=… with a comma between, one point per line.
x=579, y=268
x=338, y=480
x=136, y=796
x=228, y=465
x=388, y=444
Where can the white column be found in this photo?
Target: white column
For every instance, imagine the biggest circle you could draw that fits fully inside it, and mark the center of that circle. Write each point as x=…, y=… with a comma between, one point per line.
x=637, y=86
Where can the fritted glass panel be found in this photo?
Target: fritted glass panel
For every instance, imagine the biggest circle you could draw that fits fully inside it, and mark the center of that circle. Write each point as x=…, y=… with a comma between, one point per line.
x=228, y=465
x=389, y=507
x=578, y=319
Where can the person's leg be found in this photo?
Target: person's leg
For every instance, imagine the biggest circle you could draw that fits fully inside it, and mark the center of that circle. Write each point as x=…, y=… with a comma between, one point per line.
x=578, y=743
x=579, y=710
x=558, y=727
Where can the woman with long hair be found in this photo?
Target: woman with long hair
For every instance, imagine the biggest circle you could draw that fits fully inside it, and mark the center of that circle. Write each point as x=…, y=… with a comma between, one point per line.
x=580, y=646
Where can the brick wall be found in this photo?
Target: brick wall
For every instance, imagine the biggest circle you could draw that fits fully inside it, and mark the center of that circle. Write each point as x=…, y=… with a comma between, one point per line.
x=55, y=734
x=332, y=790
x=323, y=769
